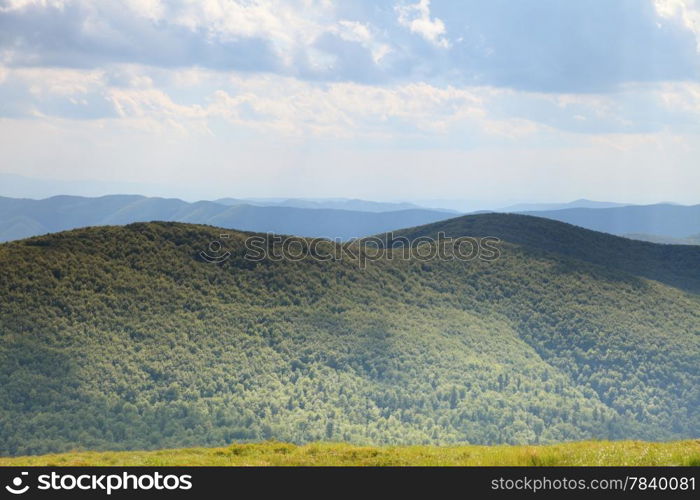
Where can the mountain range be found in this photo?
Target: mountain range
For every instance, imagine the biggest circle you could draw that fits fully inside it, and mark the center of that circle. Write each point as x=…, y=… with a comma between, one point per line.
x=342, y=219
x=581, y=203
x=123, y=337
x=693, y=239
x=21, y=218
x=329, y=203
x=660, y=220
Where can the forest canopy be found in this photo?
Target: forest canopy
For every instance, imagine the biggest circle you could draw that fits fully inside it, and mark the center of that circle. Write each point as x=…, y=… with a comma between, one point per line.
x=124, y=338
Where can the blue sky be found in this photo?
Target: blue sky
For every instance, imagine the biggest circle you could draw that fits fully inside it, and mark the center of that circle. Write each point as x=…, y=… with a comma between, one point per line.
x=495, y=101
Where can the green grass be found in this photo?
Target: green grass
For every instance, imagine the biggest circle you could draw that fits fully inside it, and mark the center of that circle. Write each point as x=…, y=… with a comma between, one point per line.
x=589, y=453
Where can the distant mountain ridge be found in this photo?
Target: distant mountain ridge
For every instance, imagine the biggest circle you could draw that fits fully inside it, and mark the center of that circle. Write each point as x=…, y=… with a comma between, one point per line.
x=329, y=218
x=693, y=239
x=581, y=203
x=22, y=218
x=674, y=221
x=330, y=203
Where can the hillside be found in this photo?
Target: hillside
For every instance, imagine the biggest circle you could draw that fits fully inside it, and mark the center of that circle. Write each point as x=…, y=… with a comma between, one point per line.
x=22, y=218
x=123, y=338
x=674, y=265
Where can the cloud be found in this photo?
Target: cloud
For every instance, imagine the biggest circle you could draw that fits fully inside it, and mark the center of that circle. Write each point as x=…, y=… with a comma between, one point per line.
x=39, y=92
x=201, y=101
x=353, y=31
x=197, y=100
x=416, y=17
x=687, y=12
x=502, y=84
x=12, y=5
x=260, y=35
x=533, y=45
x=284, y=106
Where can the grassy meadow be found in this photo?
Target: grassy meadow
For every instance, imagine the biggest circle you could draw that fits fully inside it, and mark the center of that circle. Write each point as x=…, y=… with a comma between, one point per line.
x=589, y=453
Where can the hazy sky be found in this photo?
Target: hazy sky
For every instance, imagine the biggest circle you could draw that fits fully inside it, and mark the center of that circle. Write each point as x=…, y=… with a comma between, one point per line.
x=498, y=100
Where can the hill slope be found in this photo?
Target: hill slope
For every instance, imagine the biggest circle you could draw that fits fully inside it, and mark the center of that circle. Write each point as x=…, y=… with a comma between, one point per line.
x=122, y=337
x=21, y=218
x=675, y=265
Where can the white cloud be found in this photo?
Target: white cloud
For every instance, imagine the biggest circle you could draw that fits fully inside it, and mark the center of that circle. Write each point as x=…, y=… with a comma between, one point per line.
x=682, y=97
x=379, y=44
x=344, y=110
x=287, y=25
x=263, y=103
x=12, y=5
x=59, y=82
x=685, y=11
x=151, y=9
x=353, y=31
x=416, y=17
x=190, y=99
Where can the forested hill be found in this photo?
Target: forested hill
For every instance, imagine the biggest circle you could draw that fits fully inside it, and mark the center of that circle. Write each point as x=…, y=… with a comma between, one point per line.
x=124, y=337
x=675, y=265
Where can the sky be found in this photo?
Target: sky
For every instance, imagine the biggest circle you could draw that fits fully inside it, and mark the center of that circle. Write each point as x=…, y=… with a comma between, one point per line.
x=495, y=102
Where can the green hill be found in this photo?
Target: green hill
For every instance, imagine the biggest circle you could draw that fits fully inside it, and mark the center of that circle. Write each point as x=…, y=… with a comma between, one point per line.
x=675, y=265
x=124, y=338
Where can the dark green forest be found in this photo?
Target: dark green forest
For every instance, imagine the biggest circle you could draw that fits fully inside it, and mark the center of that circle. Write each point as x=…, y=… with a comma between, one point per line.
x=124, y=337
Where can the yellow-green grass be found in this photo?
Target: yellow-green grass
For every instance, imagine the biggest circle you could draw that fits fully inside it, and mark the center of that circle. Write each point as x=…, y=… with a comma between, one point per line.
x=589, y=453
